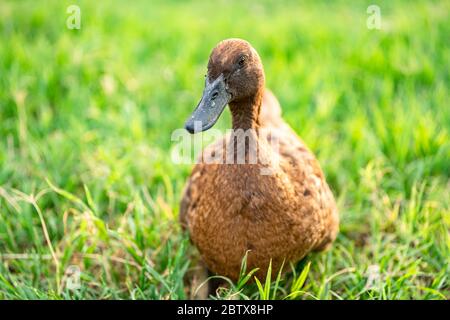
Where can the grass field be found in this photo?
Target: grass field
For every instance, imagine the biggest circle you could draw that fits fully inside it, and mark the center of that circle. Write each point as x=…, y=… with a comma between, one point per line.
x=86, y=116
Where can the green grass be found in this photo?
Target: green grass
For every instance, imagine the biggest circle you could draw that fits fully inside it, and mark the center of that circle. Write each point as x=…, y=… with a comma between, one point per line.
x=86, y=177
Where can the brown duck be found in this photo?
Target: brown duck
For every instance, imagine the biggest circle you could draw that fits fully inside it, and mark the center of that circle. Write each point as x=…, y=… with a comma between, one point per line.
x=278, y=209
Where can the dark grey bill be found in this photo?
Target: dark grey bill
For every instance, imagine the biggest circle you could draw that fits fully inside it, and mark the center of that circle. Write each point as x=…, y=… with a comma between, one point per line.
x=214, y=100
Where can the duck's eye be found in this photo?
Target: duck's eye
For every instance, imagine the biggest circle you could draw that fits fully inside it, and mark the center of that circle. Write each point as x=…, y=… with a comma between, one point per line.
x=241, y=62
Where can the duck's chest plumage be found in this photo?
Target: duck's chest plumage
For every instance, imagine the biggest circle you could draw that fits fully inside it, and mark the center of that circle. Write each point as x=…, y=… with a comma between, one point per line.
x=231, y=209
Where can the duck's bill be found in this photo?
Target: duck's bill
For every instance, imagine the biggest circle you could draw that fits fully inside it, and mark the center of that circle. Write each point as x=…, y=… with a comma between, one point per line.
x=214, y=100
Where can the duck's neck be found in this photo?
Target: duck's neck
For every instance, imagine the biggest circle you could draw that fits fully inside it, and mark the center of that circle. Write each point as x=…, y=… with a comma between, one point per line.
x=245, y=112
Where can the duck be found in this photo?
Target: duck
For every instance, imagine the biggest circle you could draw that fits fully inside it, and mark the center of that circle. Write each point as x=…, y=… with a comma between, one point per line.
x=271, y=211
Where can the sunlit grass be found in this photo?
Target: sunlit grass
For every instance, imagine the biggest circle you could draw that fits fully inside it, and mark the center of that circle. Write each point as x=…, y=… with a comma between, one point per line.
x=86, y=117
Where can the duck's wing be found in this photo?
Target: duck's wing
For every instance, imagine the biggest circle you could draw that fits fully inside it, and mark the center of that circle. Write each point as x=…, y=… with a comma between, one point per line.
x=303, y=168
x=299, y=163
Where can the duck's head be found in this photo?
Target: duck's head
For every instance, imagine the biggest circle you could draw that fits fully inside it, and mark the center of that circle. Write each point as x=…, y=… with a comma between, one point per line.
x=235, y=73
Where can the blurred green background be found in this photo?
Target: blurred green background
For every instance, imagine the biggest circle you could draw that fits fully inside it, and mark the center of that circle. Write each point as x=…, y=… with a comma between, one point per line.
x=86, y=116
